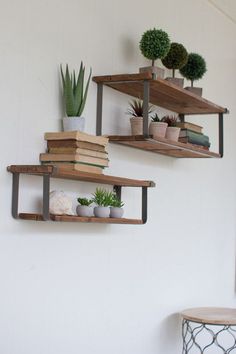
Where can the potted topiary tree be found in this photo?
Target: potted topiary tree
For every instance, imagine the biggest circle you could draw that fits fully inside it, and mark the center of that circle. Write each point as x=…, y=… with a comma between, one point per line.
x=116, y=207
x=84, y=208
x=74, y=98
x=136, y=113
x=103, y=199
x=157, y=128
x=154, y=44
x=172, y=131
x=176, y=58
x=194, y=70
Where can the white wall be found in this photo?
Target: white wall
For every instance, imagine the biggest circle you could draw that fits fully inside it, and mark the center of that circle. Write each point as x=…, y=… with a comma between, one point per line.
x=68, y=288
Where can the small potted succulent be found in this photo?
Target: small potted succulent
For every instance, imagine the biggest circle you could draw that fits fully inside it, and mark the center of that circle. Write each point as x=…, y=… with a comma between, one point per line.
x=84, y=208
x=194, y=70
x=176, y=58
x=157, y=128
x=172, y=131
x=136, y=113
x=75, y=95
x=154, y=44
x=116, y=207
x=103, y=199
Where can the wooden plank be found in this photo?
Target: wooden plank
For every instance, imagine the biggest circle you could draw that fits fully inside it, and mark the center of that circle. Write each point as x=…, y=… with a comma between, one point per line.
x=58, y=172
x=123, y=77
x=163, y=146
x=211, y=315
x=163, y=93
x=71, y=218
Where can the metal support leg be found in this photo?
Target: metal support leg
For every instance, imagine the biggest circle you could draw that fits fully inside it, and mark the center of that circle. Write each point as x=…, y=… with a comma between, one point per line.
x=146, y=90
x=117, y=190
x=99, y=109
x=15, y=194
x=182, y=118
x=144, y=204
x=221, y=134
x=46, y=190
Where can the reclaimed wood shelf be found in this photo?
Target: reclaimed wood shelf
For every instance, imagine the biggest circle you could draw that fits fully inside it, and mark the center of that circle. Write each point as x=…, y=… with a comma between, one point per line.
x=74, y=218
x=163, y=146
x=164, y=94
x=51, y=171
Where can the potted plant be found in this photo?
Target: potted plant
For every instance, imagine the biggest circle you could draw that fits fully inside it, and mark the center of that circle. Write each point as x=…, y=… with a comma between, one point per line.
x=84, y=208
x=154, y=44
x=157, y=128
x=103, y=199
x=176, y=58
x=75, y=95
x=172, y=131
x=194, y=70
x=136, y=119
x=116, y=207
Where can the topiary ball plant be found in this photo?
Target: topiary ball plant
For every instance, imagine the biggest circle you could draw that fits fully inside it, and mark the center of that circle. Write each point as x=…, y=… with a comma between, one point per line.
x=154, y=44
x=195, y=68
x=176, y=58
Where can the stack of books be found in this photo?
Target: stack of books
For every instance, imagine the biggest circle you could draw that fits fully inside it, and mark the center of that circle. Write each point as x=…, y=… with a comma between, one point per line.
x=75, y=150
x=192, y=134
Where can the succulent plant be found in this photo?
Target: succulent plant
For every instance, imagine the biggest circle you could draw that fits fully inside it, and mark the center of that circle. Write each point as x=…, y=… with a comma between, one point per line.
x=116, y=202
x=154, y=44
x=195, y=68
x=73, y=91
x=102, y=197
x=170, y=120
x=155, y=118
x=85, y=201
x=176, y=58
x=136, y=108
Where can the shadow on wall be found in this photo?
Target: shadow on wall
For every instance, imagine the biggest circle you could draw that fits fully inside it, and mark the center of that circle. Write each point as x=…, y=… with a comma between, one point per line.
x=170, y=334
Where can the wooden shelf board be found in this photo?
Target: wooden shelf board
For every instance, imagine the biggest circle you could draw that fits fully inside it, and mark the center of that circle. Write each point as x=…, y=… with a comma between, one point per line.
x=163, y=146
x=57, y=172
x=162, y=93
x=69, y=218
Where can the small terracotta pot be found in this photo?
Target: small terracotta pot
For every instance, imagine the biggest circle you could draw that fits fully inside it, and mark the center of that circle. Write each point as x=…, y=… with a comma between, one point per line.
x=136, y=125
x=172, y=133
x=157, y=129
x=116, y=212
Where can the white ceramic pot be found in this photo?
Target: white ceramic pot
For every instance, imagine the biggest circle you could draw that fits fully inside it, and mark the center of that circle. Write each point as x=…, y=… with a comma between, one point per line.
x=157, y=129
x=136, y=125
x=102, y=212
x=84, y=210
x=116, y=212
x=172, y=133
x=73, y=123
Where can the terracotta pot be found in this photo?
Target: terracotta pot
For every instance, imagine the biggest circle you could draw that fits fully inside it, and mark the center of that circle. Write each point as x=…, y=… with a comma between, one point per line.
x=73, y=123
x=136, y=125
x=176, y=81
x=154, y=70
x=172, y=133
x=116, y=212
x=157, y=129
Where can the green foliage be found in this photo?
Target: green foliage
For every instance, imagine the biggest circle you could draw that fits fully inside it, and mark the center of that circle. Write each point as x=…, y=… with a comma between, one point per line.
x=195, y=67
x=154, y=44
x=102, y=197
x=116, y=202
x=136, y=108
x=170, y=120
x=155, y=118
x=85, y=201
x=73, y=91
x=176, y=58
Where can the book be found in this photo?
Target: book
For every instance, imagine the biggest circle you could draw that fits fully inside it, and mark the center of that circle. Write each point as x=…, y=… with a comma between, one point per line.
x=68, y=143
x=193, y=135
x=187, y=125
x=67, y=150
x=74, y=158
x=67, y=166
x=77, y=135
x=194, y=141
x=196, y=145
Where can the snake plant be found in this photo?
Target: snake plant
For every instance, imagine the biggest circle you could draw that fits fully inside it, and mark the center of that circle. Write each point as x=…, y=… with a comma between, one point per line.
x=73, y=90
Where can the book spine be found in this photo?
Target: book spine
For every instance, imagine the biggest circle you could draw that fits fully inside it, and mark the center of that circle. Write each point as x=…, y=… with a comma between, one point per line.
x=193, y=135
x=194, y=140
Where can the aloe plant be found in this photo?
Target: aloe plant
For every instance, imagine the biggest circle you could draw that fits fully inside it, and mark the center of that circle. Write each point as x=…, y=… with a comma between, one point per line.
x=73, y=89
